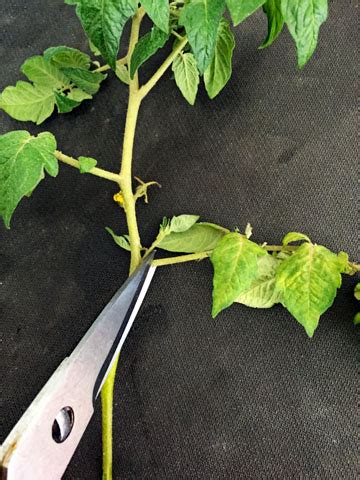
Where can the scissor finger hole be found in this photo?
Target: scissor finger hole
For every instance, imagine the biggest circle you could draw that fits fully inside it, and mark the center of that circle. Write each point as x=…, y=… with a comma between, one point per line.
x=63, y=424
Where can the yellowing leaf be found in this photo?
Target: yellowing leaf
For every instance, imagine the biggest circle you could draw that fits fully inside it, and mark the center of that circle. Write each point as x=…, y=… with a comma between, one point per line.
x=123, y=74
x=28, y=102
x=308, y=280
x=78, y=95
x=186, y=76
x=235, y=262
x=357, y=291
x=294, y=237
x=262, y=293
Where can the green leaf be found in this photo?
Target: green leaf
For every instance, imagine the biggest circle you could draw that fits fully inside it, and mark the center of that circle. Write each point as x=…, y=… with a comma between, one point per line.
x=201, y=237
x=28, y=102
x=86, y=164
x=65, y=57
x=181, y=223
x=345, y=266
x=272, y=8
x=309, y=279
x=146, y=47
x=64, y=103
x=295, y=237
x=357, y=319
x=159, y=12
x=241, y=9
x=23, y=159
x=120, y=240
x=201, y=19
x=43, y=73
x=84, y=79
x=123, y=74
x=303, y=19
x=36, y=101
x=103, y=22
x=78, y=95
x=218, y=72
x=186, y=76
x=262, y=293
x=357, y=291
x=235, y=262
x=94, y=49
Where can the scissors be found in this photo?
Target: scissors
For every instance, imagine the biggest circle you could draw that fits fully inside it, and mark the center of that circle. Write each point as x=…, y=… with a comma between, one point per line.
x=45, y=438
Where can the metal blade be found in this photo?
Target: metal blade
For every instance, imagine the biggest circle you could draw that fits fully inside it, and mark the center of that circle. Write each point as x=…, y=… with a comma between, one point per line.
x=41, y=444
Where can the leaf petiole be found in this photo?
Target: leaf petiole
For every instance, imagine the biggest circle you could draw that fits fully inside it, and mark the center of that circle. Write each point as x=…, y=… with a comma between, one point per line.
x=161, y=262
x=98, y=172
x=145, y=89
x=106, y=67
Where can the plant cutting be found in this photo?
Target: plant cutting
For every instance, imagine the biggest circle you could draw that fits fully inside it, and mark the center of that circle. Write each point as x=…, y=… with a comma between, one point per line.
x=299, y=274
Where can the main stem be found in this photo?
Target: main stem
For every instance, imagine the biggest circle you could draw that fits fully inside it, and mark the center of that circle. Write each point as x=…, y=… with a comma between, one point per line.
x=136, y=95
x=128, y=146
x=134, y=237
x=126, y=177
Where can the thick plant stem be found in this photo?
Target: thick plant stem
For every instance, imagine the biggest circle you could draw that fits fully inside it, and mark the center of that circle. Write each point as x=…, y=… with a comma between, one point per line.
x=135, y=245
x=126, y=179
x=135, y=97
x=134, y=237
x=107, y=395
x=127, y=153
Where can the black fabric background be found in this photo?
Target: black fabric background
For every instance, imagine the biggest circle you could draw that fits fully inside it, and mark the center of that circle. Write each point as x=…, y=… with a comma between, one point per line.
x=247, y=396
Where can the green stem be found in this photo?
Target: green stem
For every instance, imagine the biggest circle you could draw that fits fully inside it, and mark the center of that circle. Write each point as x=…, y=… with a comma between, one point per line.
x=180, y=259
x=127, y=153
x=200, y=255
x=355, y=267
x=145, y=89
x=105, y=68
x=135, y=97
x=126, y=179
x=134, y=237
x=279, y=248
x=99, y=172
x=107, y=395
x=160, y=236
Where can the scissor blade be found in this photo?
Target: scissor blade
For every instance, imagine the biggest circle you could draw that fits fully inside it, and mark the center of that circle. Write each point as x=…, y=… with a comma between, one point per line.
x=98, y=349
x=41, y=444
